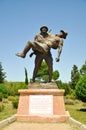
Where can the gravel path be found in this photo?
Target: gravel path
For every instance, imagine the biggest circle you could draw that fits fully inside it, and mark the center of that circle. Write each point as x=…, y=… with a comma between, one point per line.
x=39, y=126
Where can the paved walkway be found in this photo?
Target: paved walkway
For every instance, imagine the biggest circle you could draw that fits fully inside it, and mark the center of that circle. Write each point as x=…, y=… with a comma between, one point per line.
x=39, y=126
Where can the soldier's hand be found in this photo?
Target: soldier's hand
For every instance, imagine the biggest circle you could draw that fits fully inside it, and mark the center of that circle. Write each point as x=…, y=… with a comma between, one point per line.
x=31, y=55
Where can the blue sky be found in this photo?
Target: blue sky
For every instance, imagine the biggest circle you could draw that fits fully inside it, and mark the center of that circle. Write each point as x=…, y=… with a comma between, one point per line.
x=20, y=20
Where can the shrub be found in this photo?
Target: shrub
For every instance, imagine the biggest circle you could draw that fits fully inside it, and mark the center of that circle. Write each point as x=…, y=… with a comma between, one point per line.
x=84, y=104
x=1, y=96
x=5, y=101
x=1, y=107
x=81, y=89
x=69, y=102
x=15, y=103
x=11, y=98
x=3, y=90
x=13, y=87
x=65, y=86
x=71, y=95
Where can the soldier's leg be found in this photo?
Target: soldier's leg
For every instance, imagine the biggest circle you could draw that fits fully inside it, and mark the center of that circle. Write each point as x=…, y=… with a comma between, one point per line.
x=29, y=45
x=38, y=61
x=42, y=47
x=49, y=62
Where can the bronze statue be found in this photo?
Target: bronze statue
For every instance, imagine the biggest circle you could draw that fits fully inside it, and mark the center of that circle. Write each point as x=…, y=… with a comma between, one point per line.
x=41, y=46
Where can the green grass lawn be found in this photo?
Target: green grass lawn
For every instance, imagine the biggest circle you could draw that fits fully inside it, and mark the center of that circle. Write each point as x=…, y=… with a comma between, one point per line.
x=8, y=111
x=77, y=111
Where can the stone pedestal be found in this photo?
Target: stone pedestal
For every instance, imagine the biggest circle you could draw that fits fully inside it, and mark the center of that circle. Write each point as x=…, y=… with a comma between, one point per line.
x=41, y=105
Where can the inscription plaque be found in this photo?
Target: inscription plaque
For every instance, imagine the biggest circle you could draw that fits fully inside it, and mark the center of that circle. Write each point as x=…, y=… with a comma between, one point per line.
x=41, y=105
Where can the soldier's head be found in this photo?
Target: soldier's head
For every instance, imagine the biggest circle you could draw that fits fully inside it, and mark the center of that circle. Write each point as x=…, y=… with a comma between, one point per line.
x=64, y=34
x=44, y=29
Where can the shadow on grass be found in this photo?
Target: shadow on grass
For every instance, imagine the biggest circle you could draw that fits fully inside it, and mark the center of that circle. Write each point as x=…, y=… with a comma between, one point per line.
x=82, y=109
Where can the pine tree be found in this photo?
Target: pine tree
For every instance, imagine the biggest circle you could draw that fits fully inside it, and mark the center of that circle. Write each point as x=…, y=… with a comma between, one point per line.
x=75, y=76
x=26, y=77
x=83, y=69
x=2, y=74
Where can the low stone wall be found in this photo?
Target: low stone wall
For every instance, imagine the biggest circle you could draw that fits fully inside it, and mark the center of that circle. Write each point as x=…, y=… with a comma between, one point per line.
x=7, y=121
x=81, y=126
x=13, y=118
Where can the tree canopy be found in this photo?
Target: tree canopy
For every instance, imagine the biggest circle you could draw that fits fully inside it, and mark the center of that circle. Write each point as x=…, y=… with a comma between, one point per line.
x=43, y=73
x=81, y=89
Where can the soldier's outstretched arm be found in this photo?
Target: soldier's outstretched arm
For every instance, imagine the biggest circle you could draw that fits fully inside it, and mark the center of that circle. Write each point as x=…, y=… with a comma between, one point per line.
x=59, y=52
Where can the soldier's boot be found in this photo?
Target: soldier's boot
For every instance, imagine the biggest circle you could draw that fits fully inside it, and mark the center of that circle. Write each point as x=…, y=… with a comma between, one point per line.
x=21, y=54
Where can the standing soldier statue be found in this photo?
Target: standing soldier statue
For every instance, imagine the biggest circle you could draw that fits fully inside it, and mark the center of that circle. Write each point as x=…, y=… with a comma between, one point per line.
x=41, y=46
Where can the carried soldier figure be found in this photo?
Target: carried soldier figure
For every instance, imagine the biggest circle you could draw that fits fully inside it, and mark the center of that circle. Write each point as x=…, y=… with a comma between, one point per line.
x=41, y=45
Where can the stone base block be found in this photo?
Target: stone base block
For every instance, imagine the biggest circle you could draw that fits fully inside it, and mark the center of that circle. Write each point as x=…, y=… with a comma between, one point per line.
x=41, y=118
x=41, y=105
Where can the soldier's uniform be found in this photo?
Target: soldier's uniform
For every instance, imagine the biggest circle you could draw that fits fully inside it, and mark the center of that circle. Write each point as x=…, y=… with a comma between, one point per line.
x=40, y=56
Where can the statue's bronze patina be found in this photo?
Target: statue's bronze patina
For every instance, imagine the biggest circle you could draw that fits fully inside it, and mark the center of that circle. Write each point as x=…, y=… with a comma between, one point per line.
x=41, y=46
